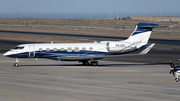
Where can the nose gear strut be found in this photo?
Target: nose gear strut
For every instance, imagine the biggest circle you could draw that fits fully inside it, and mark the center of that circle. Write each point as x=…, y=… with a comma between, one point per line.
x=16, y=64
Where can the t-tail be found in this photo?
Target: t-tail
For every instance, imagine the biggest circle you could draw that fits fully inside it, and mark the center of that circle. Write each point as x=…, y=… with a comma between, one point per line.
x=141, y=34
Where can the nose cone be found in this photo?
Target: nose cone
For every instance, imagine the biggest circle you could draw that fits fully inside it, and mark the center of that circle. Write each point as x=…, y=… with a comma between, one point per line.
x=7, y=54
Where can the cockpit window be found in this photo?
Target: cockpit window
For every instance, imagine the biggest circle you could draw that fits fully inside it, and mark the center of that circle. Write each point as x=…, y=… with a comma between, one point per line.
x=19, y=47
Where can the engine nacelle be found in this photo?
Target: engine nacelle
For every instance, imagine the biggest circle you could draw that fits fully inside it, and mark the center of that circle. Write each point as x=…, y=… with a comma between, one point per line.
x=119, y=46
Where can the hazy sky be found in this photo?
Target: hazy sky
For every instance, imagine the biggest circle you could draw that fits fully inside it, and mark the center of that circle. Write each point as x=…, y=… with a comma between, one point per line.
x=59, y=6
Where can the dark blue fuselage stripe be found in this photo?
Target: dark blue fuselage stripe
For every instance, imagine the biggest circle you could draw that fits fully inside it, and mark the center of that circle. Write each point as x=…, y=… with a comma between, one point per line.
x=54, y=54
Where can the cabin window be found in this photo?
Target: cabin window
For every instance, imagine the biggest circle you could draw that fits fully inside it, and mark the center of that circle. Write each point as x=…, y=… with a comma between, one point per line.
x=69, y=49
x=47, y=49
x=83, y=48
x=91, y=48
x=62, y=49
x=19, y=47
x=76, y=49
x=40, y=49
x=55, y=49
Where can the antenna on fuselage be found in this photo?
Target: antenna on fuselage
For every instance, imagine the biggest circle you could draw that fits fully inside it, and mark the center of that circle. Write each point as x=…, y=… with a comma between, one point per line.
x=52, y=42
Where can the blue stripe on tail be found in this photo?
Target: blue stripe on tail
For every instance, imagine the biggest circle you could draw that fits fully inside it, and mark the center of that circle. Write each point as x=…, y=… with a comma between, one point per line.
x=144, y=27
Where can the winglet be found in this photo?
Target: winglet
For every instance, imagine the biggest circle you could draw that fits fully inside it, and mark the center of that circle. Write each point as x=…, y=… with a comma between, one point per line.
x=145, y=51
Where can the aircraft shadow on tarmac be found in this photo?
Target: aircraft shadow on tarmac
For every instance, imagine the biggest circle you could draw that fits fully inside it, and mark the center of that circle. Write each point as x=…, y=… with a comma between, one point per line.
x=99, y=65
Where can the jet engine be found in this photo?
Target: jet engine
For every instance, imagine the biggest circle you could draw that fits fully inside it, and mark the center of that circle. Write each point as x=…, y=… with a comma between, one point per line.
x=118, y=47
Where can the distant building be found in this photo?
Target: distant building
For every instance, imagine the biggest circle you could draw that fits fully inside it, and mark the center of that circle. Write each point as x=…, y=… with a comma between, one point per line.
x=166, y=20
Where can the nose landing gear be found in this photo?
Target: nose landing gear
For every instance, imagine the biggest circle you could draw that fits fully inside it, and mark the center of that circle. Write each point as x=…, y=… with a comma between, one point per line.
x=16, y=64
x=177, y=77
x=176, y=80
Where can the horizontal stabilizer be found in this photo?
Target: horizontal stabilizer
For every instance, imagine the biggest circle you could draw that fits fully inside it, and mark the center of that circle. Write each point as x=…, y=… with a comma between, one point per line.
x=145, y=51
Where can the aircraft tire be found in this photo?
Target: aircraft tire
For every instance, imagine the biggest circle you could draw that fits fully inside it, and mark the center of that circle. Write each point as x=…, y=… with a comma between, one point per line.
x=177, y=79
x=15, y=65
x=94, y=64
x=85, y=63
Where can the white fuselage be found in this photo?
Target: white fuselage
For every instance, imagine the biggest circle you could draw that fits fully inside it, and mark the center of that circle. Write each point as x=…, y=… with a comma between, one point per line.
x=56, y=50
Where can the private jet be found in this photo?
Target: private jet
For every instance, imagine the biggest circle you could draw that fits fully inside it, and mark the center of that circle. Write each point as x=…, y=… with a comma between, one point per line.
x=88, y=53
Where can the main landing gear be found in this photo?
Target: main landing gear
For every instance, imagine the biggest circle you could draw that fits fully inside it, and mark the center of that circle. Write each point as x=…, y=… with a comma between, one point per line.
x=16, y=64
x=92, y=63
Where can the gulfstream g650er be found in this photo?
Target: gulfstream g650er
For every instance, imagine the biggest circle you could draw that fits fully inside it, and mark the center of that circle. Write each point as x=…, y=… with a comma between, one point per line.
x=87, y=53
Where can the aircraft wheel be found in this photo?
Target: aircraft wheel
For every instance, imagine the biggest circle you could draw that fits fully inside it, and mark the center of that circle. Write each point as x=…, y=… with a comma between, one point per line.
x=85, y=63
x=15, y=65
x=177, y=79
x=94, y=64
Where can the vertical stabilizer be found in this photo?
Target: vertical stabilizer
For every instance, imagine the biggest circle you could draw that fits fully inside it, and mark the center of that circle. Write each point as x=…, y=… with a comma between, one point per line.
x=141, y=34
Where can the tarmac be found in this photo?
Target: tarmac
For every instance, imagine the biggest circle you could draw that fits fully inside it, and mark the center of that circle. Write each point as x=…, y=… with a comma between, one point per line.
x=48, y=80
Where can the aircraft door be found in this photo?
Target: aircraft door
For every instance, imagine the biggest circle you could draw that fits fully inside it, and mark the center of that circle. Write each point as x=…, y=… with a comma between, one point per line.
x=31, y=51
x=107, y=46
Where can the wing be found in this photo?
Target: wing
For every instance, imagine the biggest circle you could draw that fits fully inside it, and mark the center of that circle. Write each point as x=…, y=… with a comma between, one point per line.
x=145, y=51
